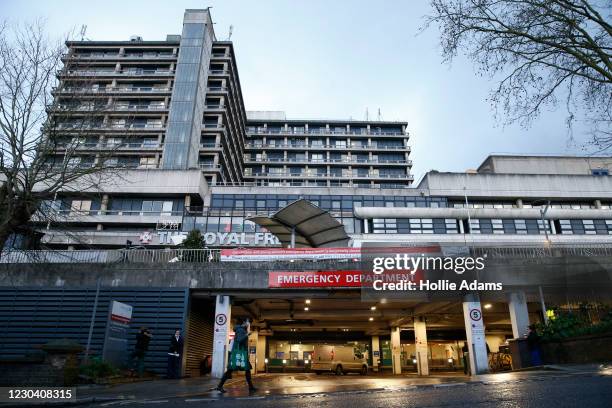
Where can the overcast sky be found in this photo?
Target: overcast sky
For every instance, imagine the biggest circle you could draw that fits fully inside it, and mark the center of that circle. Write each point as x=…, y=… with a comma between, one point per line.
x=333, y=59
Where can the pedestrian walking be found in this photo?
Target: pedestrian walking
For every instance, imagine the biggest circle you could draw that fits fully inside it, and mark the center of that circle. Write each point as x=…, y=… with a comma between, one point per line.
x=140, y=349
x=466, y=361
x=239, y=356
x=175, y=352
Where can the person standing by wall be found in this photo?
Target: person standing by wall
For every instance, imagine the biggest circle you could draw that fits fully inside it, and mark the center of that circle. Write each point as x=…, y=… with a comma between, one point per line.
x=175, y=353
x=533, y=342
x=239, y=357
x=140, y=350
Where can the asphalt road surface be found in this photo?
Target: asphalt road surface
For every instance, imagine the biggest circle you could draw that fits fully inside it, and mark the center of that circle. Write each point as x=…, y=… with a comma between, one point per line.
x=554, y=391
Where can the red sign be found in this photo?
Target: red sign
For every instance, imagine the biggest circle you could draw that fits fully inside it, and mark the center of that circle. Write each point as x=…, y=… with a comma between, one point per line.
x=335, y=279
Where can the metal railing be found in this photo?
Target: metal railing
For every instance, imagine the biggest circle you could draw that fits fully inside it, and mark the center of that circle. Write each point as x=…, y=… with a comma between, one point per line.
x=317, y=175
x=143, y=72
x=134, y=89
x=113, y=256
x=323, y=132
x=143, y=255
x=306, y=147
x=120, y=56
x=326, y=161
x=572, y=250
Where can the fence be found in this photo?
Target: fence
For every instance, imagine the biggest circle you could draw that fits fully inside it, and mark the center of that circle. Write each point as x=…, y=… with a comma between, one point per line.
x=112, y=256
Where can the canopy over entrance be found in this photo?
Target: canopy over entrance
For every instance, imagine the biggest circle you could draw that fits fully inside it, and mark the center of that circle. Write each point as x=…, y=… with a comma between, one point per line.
x=312, y=227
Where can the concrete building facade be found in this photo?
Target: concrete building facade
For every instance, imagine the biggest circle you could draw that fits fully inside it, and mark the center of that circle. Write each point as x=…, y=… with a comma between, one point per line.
x=171, y=114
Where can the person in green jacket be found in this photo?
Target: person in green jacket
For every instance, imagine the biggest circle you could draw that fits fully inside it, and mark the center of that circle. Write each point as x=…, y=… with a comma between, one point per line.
x=239, y=352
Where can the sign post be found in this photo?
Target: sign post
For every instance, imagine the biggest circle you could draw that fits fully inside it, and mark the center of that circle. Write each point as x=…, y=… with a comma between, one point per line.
x=223, y=310
x=116, y=338
x=475, y=335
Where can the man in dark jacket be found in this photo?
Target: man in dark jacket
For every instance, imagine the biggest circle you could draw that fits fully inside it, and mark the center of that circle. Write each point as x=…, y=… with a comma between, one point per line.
x=241, y=341
x=140, y=350
x=175, y=352
x=533, y=343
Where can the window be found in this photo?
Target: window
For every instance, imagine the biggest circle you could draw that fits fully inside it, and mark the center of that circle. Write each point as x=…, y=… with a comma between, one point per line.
x=600, y=172
x=317, y=157
x=79, y=207
x=148, y=163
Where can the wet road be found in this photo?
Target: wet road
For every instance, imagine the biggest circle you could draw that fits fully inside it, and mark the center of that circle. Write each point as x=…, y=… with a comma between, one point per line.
x=554, y=390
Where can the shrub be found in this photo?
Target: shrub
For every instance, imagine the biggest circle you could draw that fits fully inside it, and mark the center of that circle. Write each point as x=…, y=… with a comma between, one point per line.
x=572, y=325
x=97, y=368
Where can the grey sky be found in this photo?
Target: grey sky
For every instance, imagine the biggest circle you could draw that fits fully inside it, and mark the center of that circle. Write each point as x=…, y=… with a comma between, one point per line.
x=333, y=59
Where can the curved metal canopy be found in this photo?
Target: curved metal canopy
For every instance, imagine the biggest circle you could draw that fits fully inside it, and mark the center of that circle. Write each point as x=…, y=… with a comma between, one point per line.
x=314, y=227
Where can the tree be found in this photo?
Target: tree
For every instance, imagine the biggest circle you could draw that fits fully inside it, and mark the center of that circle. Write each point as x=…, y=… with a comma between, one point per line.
x=194, y=240
x=545, y=51
x=41, y=139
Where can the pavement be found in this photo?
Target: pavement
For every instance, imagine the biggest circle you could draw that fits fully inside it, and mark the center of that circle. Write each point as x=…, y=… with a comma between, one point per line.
x=306, y=386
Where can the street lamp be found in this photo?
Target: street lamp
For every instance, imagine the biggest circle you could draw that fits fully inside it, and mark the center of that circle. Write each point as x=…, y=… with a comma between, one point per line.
x=547, y=244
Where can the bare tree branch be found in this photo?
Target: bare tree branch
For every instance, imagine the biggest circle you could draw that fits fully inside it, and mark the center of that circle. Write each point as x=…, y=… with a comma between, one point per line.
x=545, y=51
x=42, y=140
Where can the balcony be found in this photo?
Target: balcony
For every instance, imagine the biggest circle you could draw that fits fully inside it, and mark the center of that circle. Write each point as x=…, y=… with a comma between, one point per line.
x=110, y=127
x=267, y=131
x=218, y=72
x=108, y=108
x=114, y=90
x=209, y=166
x=212, y=126
x=128, y=56
x=217, y=89
x=136, y=108
x=327, y=161
x=214, y=107
x=289, y=146
x=104, y=73
x=210, y=146
x=367, y=176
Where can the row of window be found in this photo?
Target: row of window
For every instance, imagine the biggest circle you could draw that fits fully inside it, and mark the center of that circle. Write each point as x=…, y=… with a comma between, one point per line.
x=413, y=226
x=117, y=206
x=569, y=205
x=489, y=226
x=318, y=129
x=327, y=202
x=240, y=224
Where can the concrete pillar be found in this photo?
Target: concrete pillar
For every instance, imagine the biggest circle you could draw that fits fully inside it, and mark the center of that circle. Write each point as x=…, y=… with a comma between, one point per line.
x=223, y=315
x=519, y=315
x=475, y=335
x=104, y=204
x=261, y=353
x=420, y=341
x=253, y=342
x=396, y=351
x=375, y=353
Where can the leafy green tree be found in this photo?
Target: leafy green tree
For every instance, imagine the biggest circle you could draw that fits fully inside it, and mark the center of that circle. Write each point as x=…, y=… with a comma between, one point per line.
x=194, y=240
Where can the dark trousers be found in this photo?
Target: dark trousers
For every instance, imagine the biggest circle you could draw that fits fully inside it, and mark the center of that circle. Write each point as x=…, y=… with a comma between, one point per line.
x=139, y=356
x=228, y=375
x=173, y=366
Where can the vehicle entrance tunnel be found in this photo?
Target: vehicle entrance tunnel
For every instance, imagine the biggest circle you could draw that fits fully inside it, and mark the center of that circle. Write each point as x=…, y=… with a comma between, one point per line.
x=336, y=332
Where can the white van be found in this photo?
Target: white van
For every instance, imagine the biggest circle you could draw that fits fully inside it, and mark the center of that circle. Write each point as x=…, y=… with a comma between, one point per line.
x=339, y=359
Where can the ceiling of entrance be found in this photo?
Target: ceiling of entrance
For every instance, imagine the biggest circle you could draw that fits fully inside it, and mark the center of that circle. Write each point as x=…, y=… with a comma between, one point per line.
x=347, y=313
